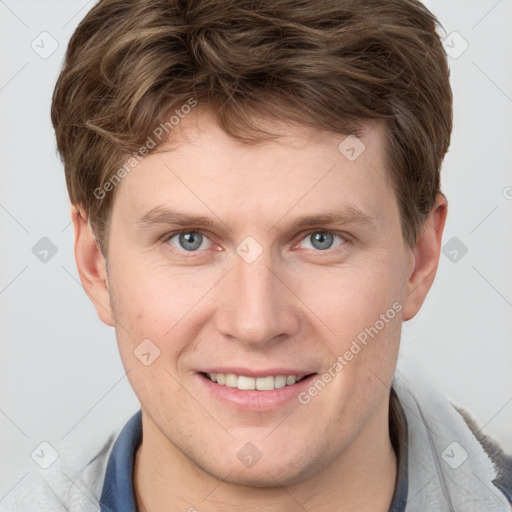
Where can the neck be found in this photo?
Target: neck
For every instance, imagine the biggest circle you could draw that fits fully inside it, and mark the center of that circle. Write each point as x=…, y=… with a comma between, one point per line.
x=361, y=478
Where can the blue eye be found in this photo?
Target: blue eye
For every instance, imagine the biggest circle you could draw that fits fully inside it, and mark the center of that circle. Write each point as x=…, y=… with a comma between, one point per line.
x=322, y=240
x=189, y=241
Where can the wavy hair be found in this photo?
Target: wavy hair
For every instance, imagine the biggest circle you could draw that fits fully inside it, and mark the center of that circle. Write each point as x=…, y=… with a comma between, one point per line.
x=328, y=64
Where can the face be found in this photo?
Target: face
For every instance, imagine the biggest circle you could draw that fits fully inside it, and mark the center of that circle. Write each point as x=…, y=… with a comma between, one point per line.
x=264, y=261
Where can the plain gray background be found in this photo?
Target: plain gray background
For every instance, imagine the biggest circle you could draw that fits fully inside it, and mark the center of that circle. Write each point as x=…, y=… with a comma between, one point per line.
x=60, y=374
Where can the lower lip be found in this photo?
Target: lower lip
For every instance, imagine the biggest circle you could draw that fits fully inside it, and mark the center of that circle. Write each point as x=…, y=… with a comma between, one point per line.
x=254, y=400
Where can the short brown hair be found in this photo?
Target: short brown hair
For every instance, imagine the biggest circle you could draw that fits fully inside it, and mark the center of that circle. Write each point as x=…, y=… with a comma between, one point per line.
x=328, y=64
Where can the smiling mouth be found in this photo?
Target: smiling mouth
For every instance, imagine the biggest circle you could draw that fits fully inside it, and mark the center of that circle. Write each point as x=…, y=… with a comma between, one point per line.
x=246, y=383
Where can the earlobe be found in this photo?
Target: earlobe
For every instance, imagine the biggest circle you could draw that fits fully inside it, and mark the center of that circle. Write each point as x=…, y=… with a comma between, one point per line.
x=426, y=258
x=91, y=266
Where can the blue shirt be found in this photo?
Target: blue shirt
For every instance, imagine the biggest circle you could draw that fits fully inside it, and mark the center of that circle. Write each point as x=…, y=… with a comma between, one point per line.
x=118, y=494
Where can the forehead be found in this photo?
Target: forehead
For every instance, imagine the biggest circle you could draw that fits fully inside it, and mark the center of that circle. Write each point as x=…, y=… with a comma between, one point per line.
x=204, y=170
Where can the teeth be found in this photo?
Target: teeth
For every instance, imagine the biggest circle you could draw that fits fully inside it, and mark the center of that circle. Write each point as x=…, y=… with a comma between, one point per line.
x=280, y=381
x=231, y=380
x=291, y=379
x=249, y=383
x=246, y=382
x=265, y=383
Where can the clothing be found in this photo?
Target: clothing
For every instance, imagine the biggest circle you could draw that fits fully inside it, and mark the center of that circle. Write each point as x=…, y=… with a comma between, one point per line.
x=450, y=464
x=444, y=464
x=117, y=493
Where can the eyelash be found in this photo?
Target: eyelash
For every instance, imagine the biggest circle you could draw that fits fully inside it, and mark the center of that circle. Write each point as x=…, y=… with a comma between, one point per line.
x=190, y=254
x=346, y=239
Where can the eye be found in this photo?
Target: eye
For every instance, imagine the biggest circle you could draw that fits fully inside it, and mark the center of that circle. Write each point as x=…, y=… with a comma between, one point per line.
x=322, y=240
x=190, y=241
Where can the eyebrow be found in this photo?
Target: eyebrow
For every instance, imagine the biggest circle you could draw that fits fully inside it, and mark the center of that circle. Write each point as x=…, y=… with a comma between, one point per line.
x=165, y=215
x=345, y=215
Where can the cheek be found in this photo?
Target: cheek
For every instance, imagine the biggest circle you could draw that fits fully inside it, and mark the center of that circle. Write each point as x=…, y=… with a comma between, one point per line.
x=153, y=298
x=165, y=305
x=358, y=309
x=349, y=299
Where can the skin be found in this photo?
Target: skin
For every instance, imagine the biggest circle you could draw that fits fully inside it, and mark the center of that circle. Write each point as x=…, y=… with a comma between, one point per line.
x=295, y=306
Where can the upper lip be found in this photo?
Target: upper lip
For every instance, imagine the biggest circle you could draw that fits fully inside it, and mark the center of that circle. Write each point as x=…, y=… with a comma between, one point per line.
x=268, y=372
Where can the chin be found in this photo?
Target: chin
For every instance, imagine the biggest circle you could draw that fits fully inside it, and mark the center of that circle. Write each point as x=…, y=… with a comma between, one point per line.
x=267, y=472
x=265, y=477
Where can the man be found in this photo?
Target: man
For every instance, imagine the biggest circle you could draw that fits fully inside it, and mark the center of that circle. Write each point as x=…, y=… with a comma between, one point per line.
x=257, y=209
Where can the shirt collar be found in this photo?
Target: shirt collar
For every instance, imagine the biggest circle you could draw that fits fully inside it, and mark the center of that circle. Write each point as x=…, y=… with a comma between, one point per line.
x=399, y=439
x=117, y=494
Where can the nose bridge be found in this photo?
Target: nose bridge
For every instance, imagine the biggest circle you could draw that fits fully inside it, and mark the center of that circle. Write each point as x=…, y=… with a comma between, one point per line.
x=257, y=308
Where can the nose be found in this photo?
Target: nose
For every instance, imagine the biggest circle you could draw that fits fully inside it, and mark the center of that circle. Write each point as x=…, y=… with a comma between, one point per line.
x=257, y=309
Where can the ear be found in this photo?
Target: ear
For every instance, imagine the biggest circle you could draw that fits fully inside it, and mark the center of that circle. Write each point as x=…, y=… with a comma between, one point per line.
x=91, y=266
x=426, y=258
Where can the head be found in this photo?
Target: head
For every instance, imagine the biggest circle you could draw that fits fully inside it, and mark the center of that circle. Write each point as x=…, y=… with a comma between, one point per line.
x=299, y=159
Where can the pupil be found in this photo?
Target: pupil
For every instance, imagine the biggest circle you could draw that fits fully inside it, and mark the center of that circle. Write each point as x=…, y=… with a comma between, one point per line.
x=322, y=240
x=190, y=240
